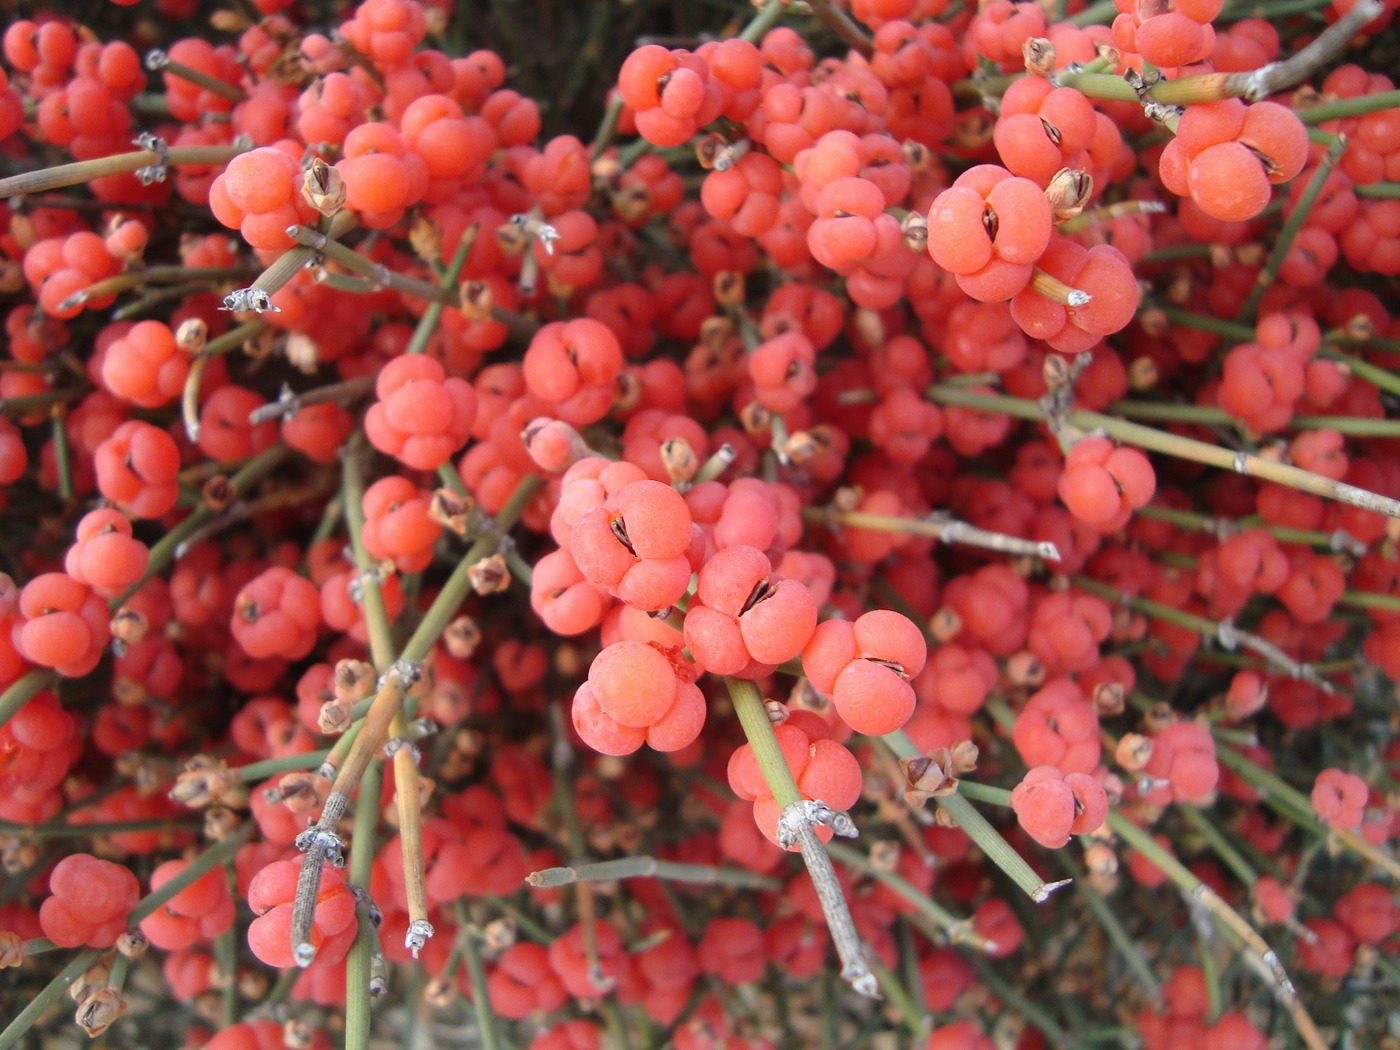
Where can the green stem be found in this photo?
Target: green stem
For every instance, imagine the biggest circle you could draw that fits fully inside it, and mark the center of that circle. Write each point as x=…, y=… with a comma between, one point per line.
x=211, y=858
x=1382, y=378
x=988, y=839
x=766, y=18
x=118, y=164
x=22, y=690
x=427, y=324
x=1370, y=600
x=1174, y=445
x=116, y=827
x=651, y=867
x=51, y=993
x=481, y=997
x=958, y=930
x=1217, y=841
x=63, y=452
x=255, y=771
x=1208, y=415
x=1283, y=243
x=1290, y=803
x=1348, y=107
x=357, y=964
x=226, y=957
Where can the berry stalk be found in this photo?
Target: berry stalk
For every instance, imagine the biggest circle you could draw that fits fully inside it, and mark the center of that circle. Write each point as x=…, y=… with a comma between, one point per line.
x=758, y=730
x=84, y=171
x=650, y=867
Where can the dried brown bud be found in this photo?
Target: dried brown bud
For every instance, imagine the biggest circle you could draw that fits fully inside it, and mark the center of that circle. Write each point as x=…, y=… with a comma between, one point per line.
x=1025, y=669
x=228, y=20
x=498, y=935
x=302, y=791
x=219, y=823
x=776, y=711
x=128, y=692
x=1068, y=193
x=490, y=575
x=1360, y=326
x=929, y=776
x=1158, y=717
x=191, y=335
x=716, y=332
x=11, y=949
x=1133, y=752
x=204, y=781
x=679, y=459
x=17, y=855
x=1100, y=859
x=1039, y=56
x=1109, y=55
x=512, y=237
x=353, y=680
x=323, y=187
x=755, y=419
x=945, y=624
x=799, y=447
x=129, y=625
x=1251, y=254
x=1108, y=697
x=440, y=993
x=918, y=156
x=252, y=985
x=94, y=977
x=132, y=944
x=914, y=226
x=1055, y=371
x=804, y=695
x=728, y=287
x=425, y=238
x=1143, y=373
x=335, y=716
x=627, y=391
x=297, y=1035
x=99, y=1011
x=302, y=353
x=451, y=509
x=461, y=638
x=964, y=754
x=477, y=300
x=218, y=493
x=610, y=767
x=1154, y=321
x=884, y=855
x=631, y=203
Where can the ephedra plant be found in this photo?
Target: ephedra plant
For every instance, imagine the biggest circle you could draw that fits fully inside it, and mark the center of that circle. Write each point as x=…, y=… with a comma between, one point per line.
x=451, y=567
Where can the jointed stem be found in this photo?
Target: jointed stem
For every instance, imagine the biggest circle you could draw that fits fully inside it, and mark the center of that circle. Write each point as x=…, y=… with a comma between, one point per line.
x=748, y=705
x=651, y=867
x=320, y=840
x=1230, y=919
x=1175, y=445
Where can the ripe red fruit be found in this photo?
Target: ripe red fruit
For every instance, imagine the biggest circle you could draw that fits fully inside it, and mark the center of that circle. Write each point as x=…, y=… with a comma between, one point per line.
x=277, y=614
x=90, y=900
x=421, y=416
x=866, y=666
